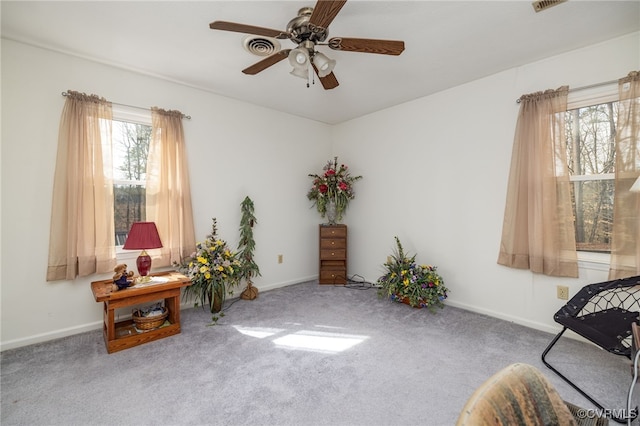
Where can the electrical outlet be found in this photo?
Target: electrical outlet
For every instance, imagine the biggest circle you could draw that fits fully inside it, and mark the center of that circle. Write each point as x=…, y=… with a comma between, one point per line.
x=563, y=292
x=280, y=258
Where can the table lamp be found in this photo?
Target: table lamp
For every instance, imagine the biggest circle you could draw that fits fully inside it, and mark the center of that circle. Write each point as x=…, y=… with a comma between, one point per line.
x=143, y=236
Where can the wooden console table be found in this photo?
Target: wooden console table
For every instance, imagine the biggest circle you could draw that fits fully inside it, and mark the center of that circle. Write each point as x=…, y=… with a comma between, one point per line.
x=124, y=335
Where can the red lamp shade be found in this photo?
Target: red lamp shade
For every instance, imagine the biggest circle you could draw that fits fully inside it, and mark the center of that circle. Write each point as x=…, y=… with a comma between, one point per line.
x=143, y=236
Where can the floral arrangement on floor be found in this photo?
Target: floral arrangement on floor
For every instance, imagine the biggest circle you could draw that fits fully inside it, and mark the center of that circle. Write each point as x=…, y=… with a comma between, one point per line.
x=213, y=270
x=334, y=184
x=407, y=282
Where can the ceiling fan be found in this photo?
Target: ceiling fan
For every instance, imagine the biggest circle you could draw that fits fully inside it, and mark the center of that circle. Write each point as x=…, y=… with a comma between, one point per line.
x=307, y=30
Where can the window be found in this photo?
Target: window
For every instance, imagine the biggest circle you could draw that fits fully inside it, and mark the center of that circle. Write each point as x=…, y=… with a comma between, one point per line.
x=591, y=158
x=590, y=133
x=540, y=225
x=87, y=245
x=131, y=135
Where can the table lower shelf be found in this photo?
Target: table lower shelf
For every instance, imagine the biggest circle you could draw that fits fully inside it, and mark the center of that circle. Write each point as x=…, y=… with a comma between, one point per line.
x=128, y=336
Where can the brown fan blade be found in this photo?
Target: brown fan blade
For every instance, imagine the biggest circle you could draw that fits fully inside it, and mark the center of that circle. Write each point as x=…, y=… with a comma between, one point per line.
x=367, y=45
x=266, y=62
x=248, y=29
x=325, y=12
x=329, y=81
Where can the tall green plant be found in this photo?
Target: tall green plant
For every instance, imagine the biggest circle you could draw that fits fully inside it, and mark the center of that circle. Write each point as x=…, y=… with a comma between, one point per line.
x=246, y=246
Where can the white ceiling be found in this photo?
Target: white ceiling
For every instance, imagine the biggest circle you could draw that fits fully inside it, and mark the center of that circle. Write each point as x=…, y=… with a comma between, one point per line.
x=447, y=43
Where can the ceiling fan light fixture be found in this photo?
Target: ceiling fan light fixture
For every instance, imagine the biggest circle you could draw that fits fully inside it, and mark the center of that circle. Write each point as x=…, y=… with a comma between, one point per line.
x=324, y=65
x=299, y=58
x=300, y=72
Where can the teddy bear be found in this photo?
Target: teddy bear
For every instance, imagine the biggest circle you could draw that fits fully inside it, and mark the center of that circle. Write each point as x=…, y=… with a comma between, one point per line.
x=121, y=278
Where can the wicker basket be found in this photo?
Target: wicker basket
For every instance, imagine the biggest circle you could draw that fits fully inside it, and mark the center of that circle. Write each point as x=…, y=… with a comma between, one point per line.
x=149, y=323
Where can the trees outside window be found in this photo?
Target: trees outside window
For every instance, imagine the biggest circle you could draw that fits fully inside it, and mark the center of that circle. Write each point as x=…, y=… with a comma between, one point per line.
x=131, y=150
x=591, y=133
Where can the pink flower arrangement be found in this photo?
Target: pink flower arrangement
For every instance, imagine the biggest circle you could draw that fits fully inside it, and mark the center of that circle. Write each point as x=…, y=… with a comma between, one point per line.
x=334, y=184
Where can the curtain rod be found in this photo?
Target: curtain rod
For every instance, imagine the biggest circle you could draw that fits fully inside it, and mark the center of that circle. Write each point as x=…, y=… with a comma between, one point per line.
x=188, y=117
x=590, y=86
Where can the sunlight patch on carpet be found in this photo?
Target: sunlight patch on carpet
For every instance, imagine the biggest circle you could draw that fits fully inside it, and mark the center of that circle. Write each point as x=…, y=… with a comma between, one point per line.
x=259, y=332
x=319, y=341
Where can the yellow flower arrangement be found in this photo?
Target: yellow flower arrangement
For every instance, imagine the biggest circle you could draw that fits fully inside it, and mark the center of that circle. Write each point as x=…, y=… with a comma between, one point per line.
x=406, y=281
x=213, y=269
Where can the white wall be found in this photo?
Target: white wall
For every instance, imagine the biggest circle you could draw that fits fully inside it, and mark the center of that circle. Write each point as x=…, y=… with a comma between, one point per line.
x=436, y=178
x=435, y=174
x=234, y=149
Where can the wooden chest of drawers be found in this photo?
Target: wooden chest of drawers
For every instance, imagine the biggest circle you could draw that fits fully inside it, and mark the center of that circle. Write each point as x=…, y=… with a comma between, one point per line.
x=333, y=254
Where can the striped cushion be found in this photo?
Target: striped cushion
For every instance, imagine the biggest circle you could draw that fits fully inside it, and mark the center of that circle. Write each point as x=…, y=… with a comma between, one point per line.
x=517, y=395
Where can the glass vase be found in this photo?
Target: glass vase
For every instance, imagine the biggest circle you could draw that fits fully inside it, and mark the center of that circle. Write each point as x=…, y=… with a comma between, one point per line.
x=331, y=212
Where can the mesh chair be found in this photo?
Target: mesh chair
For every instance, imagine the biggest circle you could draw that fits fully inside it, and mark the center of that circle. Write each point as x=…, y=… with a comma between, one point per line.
x=601, y=313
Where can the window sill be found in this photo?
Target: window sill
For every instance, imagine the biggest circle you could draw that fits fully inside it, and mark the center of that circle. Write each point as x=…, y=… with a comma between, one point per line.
x=594, y=261
x=127, y=256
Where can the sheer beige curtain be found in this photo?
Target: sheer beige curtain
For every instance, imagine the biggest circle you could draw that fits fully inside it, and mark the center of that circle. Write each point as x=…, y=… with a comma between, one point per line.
x=168, y=188
x=625, y=239
x=81, y=240
x=538, y=230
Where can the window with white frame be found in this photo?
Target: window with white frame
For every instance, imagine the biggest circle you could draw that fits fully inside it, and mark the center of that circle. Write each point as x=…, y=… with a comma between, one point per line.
x=131, y=135
x=590, y=123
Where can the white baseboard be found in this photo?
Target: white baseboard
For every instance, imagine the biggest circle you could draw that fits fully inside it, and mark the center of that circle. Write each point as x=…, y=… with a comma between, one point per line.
x=267, y=287
x=517, y=320
x=51, y=335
